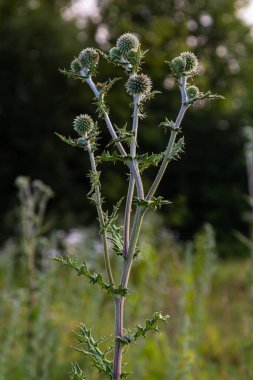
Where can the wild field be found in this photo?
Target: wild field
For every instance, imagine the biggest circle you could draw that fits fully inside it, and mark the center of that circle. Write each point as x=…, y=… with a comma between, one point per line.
x=208, y=336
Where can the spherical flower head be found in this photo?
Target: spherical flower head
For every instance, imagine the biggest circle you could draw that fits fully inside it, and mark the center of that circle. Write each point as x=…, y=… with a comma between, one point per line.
x=191, y=62
x=88, y=57
x=127, y=42
x=83, y=124
x=76, y=66
x=192, y=92
x=178, y=65
x=115, y=54
x=138, y=84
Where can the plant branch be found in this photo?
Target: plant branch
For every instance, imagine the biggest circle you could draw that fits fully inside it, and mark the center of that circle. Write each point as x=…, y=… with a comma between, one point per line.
x=173, y=135
x=120, y=147
x=130, y=193
x=100, y=216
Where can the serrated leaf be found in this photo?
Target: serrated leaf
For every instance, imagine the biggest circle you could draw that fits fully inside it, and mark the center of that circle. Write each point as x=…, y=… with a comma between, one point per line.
x=153, y=203
x=104, y=88
x=77, y=373
x=177, y=149
x=97, y=356
x=113, y=157
x=82, y=270
x=150, y=325
x=146, y=160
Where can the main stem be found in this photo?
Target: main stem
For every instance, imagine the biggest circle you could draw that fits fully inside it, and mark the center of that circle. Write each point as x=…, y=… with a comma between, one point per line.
x=119, y=320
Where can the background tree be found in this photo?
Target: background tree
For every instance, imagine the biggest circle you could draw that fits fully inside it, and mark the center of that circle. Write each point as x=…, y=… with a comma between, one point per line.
x=35, y=100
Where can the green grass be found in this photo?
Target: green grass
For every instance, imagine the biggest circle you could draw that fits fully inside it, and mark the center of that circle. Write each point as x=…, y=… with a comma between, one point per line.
x=209, y=334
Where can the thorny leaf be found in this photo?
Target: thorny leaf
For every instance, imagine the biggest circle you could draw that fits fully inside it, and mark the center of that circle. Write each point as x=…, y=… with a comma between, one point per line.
x=146, y=160
x=113, y=157
x=116, y=235
x=150, y=325
x=177, y=149
x=154, y=203
x=77, y=373
x=82, y=270
x=97, y=356
x=104, y=88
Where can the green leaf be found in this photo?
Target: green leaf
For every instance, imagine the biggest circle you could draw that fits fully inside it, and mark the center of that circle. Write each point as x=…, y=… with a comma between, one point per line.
x=96, y=355
x=70, y=141
x=150, y=325
x=104, y=88
x=177, y=149
x=116, y=233
x=113, y=157
x=77, y=373
x=82, y=270
x=154, y=202
x=72, y=75
x=146, y=160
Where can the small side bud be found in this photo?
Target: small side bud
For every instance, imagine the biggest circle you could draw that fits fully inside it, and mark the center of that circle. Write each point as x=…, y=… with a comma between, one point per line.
x=88, y=57
x=132, y=56
x=83, y=124
x=138, y=84
x=115, y=54
x=178, y=65
x=192, y=92
x=76, y=66
x=191, y=62
x=126, y=42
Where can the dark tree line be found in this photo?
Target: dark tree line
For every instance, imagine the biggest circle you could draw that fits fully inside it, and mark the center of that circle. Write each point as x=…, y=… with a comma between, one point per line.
x=209, y=182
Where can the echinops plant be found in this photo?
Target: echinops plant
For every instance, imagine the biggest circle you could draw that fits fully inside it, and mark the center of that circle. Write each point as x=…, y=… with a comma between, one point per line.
x=122, y=240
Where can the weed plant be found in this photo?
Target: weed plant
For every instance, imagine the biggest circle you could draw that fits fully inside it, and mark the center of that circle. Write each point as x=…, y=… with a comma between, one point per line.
x=122, y=240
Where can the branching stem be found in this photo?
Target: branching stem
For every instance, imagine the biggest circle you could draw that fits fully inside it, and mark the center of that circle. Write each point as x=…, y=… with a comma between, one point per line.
x=120, y=147
x=100, y=216
x=172, y=139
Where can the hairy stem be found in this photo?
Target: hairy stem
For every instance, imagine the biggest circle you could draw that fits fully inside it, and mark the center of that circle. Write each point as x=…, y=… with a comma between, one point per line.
x=132, y=246
x=101, y=217
x=127, y=216
x=119, y=315
x=172, y=139
x=130, y=193
x=121, y=149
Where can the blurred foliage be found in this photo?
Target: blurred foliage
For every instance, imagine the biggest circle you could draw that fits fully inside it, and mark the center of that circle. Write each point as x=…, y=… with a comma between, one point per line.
x=207, y=184
x=206, y=300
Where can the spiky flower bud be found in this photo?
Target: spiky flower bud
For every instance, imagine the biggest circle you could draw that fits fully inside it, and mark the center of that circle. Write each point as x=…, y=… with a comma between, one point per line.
x=115, y=54
x=138, y=84
x=178, y=65
x=83, y=124
x=127, y=42
x=192, y=92
x=76, y=66
x=88, y=57
x=132, y=56
x=191, y=62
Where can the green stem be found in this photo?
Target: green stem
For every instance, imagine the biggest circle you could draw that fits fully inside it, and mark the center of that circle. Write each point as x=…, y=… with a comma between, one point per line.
x=100, y=216
x=130, y=193
x=121, y=149
x=172, y=140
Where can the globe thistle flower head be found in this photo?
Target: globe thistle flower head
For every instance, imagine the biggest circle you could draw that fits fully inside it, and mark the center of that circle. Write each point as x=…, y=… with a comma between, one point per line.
x=88, y=57
x=138, y=84
x=76, y=66
x=115, y=54
x=178, y=65
x=83, y=124
x=126, y=42
x=191, y=62
x=192, y=92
